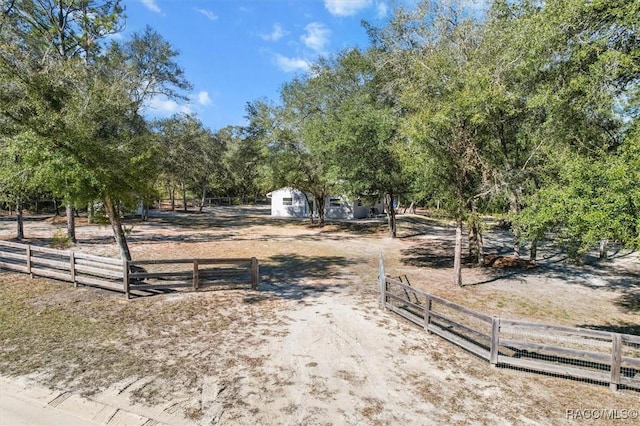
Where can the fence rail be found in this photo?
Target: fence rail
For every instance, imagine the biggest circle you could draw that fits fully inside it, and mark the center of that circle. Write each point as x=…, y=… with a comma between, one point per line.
x=117, y=275
x=592, y=355
x=64, y=265
x=194, y=273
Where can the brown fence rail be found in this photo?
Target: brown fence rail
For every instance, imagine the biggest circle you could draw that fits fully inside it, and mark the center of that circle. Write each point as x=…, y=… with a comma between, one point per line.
x=117, y=275
x=194, y=273
x=64, y=265
x=591, y=355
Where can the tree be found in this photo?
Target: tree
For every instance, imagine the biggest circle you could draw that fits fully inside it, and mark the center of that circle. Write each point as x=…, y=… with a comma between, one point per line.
x=87, y=108
x=433, y=50
x=191, y=154
x=583, y=68
x=48, y=31
x=364, y=137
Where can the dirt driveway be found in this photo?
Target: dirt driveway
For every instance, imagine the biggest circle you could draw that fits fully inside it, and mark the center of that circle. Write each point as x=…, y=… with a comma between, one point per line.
x=310, y=346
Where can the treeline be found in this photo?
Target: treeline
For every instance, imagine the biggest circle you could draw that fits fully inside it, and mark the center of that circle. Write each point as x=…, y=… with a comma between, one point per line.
x=72, y=116
x=528, y=109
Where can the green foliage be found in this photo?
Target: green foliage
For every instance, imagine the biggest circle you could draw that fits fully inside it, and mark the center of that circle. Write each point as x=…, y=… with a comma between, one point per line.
x=590, y=201
x=60, y=240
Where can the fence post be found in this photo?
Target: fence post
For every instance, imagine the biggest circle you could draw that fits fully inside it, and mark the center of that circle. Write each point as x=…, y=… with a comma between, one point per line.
x=195, y=274
x=495, y=341
x=382, y=283
x=427, y=312
x=125, y=278
x=616, y=361
x=72, y=268
x=29, y=261
x=255, y=273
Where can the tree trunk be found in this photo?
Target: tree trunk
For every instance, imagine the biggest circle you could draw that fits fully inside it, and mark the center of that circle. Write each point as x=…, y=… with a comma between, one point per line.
x=19, y=220
x=56, y=206
x=391, y=216
x=184, y=197
x=514, y=209
x=116, y=226
x=533, y=251
x=204, y=196
x=457, y=257
x=71, y=223
x=90, y=213
x=476, y=247
x=321, y=202
x=310, y=207
x=603, y=249
x=172, y=195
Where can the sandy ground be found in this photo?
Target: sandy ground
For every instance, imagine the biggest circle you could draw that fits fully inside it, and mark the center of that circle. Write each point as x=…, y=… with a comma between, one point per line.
x=312, y=346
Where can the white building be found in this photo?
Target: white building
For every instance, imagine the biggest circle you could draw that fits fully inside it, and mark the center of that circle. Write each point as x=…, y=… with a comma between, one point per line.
x=290, y=202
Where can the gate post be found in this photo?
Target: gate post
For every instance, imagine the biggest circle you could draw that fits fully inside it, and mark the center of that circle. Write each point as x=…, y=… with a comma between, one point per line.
x=382, y=284
x=495, y=341
x=125, y=278
x=196, y=275
x=255, y=273
x=616, y=361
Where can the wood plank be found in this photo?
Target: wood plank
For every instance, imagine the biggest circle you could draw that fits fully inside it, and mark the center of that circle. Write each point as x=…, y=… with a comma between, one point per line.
x=58, y=264
x=631, y=382
x=505, y=324
x=616, y=361
x=493, y=347
x=459, y=325
x=93, y=282
x=552, y=368
x=459, y=341
x=545, y=349
x=51, y=274
x=47, y=250
x=406, y=315
x=106, y=273
x=173, y=274
x=11, y=244
x=224, y=283
x=631, y=362
x=195, y=275
x=630, y=338
x=163, y=286
x=405, y=301
x=14, y=267
x=14, y=256
x=460, y=308
x=99, y=259
x=200, y=261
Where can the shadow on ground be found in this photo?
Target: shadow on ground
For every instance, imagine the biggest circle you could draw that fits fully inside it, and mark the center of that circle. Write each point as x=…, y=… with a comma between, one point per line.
x=300, y=277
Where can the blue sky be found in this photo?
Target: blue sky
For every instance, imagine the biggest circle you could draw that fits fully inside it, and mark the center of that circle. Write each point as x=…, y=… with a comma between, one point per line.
x=237, y=51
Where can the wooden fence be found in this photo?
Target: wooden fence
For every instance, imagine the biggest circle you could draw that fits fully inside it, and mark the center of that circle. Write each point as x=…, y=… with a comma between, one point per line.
x=64, y=265
x=194, y=273
x=117, y=275
x=591, y=355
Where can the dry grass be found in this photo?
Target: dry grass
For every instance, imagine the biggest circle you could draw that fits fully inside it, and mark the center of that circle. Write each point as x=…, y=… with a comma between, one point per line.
x=169, y=347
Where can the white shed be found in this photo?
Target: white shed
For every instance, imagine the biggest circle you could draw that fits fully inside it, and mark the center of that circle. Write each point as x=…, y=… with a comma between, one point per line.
x=288, y=202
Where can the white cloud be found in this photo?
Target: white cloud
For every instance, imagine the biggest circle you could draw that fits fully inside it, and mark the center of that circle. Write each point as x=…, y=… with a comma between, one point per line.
x=276, y=34
x=165, y=106
x=346, y=7
x=381, y=10
x=151, y=5
x=209, y=14
x=317, y=36
x=203, y=98
x=291, y=64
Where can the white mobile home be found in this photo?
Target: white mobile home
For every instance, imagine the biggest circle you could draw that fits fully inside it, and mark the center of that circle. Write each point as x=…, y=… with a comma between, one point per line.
x=290, y=202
